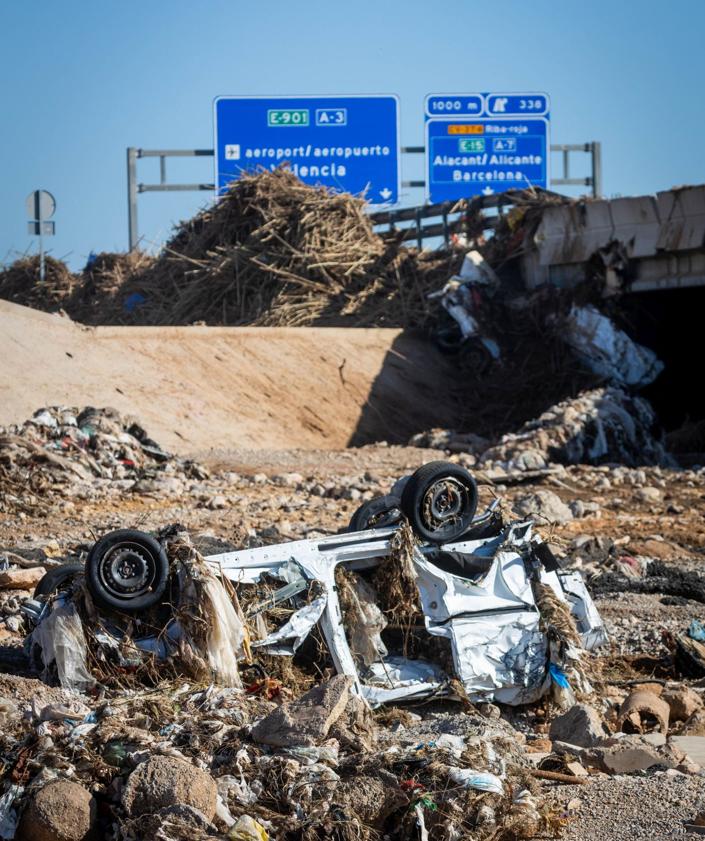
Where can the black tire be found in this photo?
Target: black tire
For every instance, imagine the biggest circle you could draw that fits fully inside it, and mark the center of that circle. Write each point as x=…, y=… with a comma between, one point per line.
x=440, y=500
x=475, y=357
x=449, y=340
x=127, y=570
x=53, y=579
x=376, y=513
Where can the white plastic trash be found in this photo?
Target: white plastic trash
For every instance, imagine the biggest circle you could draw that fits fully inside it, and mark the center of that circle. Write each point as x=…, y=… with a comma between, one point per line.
x=481, y=780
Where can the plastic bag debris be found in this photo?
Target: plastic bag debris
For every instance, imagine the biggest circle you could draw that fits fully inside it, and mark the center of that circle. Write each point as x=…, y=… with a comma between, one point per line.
x=225, y=635
x=563, y=695
x=76, y=711
x=480, y=780
x=326, y=754
x=62, y=642
x=248, y=829
x=9, y=817
x=608, y=351
x=455, y=745
x=365, y=622
x=420, y=821
x=696, y=630
x=475, y=269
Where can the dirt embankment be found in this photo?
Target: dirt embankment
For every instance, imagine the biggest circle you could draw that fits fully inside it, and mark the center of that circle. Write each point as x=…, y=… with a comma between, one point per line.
x=198, y=388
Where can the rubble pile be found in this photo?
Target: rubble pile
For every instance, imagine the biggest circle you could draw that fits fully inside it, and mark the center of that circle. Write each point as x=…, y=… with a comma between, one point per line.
x=182, y=761
x=71, y=451
x=21, y=283
x=599, y=426
x=602, y=425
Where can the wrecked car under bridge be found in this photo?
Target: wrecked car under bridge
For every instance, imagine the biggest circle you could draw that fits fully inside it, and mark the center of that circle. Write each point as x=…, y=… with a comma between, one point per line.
x=513, y=623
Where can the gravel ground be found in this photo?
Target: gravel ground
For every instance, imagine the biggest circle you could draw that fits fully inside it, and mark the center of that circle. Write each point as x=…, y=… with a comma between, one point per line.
x=635, y=621
x=632, y=808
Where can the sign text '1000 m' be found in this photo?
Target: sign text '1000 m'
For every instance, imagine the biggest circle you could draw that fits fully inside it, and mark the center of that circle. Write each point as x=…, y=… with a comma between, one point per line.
x=485, y=143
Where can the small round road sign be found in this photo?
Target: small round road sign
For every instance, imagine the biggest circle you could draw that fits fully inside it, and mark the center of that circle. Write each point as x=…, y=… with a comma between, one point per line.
x=40, y=205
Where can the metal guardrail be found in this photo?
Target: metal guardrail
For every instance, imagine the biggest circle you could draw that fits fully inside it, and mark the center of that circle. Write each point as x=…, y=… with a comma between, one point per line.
x=413, y=214
x=462, y=210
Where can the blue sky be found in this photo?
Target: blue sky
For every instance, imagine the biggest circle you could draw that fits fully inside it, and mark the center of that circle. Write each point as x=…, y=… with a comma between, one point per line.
x=84, y=80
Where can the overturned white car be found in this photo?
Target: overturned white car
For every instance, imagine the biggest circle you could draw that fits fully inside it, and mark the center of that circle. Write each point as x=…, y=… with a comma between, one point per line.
x=491, y=590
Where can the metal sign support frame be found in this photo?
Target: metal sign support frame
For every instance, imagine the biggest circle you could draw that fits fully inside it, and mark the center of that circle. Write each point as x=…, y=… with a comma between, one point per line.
x=134, y=188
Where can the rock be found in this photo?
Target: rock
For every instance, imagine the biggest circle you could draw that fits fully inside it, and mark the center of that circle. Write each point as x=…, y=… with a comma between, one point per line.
x=545, y=506
x=576, y=769
x=648, y=494
x=530, y=460
x=14, y=624
x=582, y=725
x=178, y=821
x=683, y=702
x=307, y=720
x=289, y=480
x=653, y=548
x=581, y=508
x=356, y=729
x=695, y=725
x=491, y=711
x=164, y=781
x=371, y=799
x=565, y=747
x=577, y=508
x=60, y=811
x=632, y=753
x=166, y=486
x=217, y=502
x=21, y=579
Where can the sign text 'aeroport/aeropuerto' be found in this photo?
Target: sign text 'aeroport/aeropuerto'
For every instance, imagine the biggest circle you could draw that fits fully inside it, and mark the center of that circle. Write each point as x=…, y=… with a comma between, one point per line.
x=346, y=143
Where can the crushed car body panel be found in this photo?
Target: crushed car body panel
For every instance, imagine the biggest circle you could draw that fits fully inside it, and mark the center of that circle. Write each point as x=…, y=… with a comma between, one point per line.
x=476, y=593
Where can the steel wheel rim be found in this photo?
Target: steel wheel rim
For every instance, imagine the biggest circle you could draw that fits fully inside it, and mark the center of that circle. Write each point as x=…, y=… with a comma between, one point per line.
x=444, y=503
x=127, y=570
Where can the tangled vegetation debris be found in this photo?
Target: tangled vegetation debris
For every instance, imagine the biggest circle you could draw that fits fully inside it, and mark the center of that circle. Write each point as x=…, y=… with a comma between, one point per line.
x=20, y=282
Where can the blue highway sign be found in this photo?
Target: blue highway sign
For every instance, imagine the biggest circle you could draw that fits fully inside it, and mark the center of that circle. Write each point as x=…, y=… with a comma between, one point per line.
x=346, y=143
x=485, y=143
